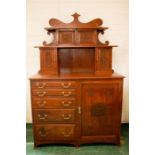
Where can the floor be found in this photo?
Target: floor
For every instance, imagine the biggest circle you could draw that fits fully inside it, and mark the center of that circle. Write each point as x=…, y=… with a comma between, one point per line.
x=93, y=149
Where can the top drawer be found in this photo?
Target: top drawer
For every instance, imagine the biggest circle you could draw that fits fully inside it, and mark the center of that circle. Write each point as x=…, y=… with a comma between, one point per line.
x=54, y=84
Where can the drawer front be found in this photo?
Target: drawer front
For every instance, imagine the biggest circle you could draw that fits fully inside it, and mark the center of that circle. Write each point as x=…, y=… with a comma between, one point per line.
x=54, y=116
x=54, y=84
x=38, y=102
x=54, y=132
x=54, y=92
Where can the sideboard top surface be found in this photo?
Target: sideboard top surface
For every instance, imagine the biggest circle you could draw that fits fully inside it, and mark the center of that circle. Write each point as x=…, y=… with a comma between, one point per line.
x=76, y=76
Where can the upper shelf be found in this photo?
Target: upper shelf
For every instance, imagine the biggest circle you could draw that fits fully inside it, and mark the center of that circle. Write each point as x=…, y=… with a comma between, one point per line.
x=75, y=33
x=76, y=46
x=50, y=29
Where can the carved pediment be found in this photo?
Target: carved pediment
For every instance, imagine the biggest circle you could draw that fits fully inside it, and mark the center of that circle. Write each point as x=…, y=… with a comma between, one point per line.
x=96, y=23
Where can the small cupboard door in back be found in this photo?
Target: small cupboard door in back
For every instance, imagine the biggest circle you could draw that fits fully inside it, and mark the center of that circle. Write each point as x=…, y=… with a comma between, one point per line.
x=100, y=108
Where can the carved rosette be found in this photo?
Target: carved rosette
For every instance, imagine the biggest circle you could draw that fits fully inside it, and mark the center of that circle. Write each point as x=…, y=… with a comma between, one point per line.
x=98, y=109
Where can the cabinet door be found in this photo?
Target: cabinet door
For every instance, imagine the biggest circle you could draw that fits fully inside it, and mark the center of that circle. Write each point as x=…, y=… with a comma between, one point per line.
x=101, y=108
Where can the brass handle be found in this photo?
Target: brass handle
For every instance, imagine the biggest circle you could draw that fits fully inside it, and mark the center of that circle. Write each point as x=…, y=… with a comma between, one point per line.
x=66, y=85
x=66, y=104
x=41, y=93
x=43, y=134
x=66, y=116
x=41, y=103
x=66, y=134
x=42, y=116
x=66, y=94
x=41, y=85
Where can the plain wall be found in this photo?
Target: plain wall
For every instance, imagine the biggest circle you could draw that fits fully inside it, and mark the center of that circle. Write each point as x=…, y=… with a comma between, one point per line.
x=114, y=14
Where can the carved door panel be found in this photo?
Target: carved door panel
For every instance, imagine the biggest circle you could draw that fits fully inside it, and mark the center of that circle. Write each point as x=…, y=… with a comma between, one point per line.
x=49, y=61
x=99, y=109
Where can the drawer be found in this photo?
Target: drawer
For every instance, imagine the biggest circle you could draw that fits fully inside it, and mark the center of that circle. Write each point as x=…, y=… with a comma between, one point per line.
x=54, y=132
x=54, y=84
x=53, y=102
x=54, y=116
x=54, y=92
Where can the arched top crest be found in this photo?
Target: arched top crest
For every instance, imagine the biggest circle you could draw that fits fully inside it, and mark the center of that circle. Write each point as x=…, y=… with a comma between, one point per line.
x=96, y=23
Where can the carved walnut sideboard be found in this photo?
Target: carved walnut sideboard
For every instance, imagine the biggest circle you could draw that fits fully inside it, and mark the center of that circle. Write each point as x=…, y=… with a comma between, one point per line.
x=76, y=96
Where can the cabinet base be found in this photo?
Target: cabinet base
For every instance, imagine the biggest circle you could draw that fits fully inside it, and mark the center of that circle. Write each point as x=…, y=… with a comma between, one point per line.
x=83, y=140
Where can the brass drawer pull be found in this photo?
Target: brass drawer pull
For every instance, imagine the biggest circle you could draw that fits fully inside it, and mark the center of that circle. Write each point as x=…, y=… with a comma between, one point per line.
x=41, y=85
x=41, y=93
x=43, y=134
x=66, y=94
x=42, y=116
x=41, y=103
x=67, y=85
x=66, y=134
x=66, y=104
x=66, y=116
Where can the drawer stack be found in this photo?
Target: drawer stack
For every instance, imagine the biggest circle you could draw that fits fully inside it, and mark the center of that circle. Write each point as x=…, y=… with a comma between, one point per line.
x=54, y=109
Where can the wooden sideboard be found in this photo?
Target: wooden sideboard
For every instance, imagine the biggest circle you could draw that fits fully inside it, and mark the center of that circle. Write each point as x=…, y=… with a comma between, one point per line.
x=76, y=96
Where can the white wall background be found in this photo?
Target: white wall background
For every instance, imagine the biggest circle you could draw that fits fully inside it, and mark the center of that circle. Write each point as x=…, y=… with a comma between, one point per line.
x=115, y=16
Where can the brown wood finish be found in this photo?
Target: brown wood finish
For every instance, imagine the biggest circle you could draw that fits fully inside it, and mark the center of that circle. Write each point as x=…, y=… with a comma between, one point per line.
x=75, y=60
x=76, y=97
x=51, y=102
x=54, y=132
x=54, y=115
x=57, y=84
x=48, y=62
x=53, y=92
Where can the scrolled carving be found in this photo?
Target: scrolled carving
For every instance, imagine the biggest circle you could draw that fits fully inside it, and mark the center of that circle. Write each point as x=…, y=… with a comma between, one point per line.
x=52, y=42
x=56, y=23
x=98, y=40
x=106, y=42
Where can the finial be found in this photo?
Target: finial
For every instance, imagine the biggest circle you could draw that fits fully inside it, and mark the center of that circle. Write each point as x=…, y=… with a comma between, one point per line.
x=76, y=15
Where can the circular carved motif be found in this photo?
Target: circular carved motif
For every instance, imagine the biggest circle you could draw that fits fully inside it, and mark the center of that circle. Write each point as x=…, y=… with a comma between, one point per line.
x=98, y=109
